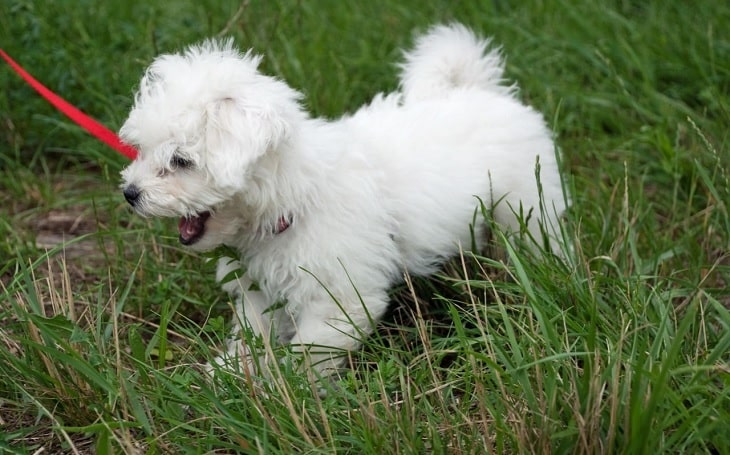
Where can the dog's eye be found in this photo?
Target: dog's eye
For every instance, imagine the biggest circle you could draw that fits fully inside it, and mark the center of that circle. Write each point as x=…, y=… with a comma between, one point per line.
x=178, y=162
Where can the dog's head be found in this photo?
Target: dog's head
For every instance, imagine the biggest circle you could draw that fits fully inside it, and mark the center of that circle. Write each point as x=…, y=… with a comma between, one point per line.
x=201, y=122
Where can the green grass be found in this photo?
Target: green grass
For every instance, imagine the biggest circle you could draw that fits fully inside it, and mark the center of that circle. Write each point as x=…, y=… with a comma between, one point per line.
x=622, y=348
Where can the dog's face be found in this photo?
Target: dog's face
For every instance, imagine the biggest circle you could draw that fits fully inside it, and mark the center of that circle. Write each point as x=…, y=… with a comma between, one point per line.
x=201, y=122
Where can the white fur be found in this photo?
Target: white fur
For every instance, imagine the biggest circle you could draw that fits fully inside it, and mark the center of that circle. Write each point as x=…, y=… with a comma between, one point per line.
x=393, y=187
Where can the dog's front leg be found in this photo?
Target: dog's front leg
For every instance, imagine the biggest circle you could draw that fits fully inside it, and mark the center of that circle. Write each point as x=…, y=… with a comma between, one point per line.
x=250, y=313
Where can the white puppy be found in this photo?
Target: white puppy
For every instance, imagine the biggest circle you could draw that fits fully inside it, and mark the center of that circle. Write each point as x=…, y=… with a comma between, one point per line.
x=327, y=215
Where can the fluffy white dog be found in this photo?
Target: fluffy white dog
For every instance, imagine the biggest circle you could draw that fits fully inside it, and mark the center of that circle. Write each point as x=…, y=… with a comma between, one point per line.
x=327, y=215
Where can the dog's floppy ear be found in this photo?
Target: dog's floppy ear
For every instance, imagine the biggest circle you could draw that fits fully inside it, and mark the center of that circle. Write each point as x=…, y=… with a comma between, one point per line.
x=236, y=135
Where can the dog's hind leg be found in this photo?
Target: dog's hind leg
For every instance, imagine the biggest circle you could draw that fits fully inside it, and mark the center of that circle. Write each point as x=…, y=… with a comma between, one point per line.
x=326, y=334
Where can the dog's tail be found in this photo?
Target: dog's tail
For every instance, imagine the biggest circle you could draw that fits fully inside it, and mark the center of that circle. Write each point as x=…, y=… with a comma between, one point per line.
x=449, y=57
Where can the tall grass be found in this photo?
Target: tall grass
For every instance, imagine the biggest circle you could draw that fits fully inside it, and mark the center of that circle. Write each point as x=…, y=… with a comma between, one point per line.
x=621, y=347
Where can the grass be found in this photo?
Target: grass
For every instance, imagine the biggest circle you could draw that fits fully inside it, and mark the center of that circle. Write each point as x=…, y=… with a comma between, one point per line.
x=622, y=348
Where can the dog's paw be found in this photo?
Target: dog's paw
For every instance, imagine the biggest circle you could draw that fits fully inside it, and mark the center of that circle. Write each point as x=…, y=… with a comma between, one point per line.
x=233, y=362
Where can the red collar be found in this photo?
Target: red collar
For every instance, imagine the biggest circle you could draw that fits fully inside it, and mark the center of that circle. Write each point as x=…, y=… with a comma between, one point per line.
x=282, y=224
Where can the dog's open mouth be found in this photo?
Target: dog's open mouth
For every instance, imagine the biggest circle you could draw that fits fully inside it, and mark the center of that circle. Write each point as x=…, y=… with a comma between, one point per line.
x=192, y=228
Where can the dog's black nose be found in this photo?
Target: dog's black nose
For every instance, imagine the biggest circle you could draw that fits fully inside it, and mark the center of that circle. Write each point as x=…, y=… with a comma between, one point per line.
x=131, y=194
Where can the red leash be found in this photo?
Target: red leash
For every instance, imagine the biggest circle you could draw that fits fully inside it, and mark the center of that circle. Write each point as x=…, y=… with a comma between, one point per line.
x=89, y=124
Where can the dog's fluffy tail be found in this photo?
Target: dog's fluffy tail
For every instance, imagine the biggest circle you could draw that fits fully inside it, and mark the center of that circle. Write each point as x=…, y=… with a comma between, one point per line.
x=449, y=57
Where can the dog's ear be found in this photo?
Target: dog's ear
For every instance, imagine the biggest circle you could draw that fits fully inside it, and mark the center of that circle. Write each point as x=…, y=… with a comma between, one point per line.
x=236, y=135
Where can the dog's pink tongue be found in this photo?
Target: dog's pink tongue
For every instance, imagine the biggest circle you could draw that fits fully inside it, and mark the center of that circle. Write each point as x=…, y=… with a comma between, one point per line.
x=191, y=228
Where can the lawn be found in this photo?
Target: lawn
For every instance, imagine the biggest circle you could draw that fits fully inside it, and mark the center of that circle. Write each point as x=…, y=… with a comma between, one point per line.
x=621, y=347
